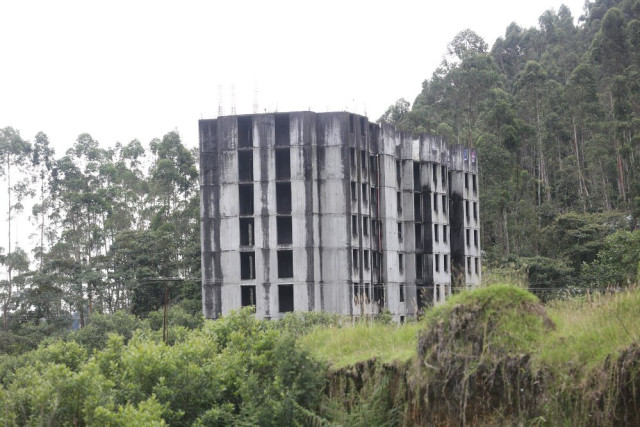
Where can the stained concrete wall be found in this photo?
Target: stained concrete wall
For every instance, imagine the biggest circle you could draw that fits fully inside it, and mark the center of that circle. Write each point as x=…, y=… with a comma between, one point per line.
x=363, y=216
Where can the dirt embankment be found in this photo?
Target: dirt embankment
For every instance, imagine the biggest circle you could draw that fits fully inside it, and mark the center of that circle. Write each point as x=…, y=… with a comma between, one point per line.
x=473, y=367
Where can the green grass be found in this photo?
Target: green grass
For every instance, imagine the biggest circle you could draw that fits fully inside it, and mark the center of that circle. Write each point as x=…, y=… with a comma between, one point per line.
x=590, y=328
x=344, y=346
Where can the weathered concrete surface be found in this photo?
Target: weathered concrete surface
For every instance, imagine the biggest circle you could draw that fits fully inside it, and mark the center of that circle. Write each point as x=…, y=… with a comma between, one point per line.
x=378, y=217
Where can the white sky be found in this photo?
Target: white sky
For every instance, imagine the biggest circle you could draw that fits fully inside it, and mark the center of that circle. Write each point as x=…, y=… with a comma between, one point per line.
x=121, y=70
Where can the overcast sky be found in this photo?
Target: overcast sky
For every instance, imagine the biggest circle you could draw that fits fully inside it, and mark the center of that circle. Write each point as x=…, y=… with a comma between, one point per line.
x=121, y=70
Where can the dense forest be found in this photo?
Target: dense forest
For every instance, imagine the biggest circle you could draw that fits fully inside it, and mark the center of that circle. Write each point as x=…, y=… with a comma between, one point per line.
x=555, y=114
x=107, y=223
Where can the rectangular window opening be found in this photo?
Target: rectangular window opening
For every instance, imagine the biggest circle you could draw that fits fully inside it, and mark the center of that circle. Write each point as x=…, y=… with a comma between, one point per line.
x=354, y=191
x=245, y=194
x=416, y=177
x=354, y=225
x=351, y=126
x=285, y=264
x=247, y=296
x=365, y=226
x=283, y=163
x=283, y=136
x=476, y=265
x=285, y=298
x=247, y=265
x=363, y=160
x=362, y=126
x=435, y=202
x=245, y=132
x=418, y=236
x=402, y=293
x=418, y=266
x=466, y=181
x=398, y=173
x=399, y=202
x=399, y=232
x=364, y=193
x=378, y=294
x=466, y=209
x=443, y=174
x=436, y=261
x=285, y=230
x=245, y=165
x=434, y=169
x=283, y=197
x=475, y=183
x=444, y=203
x=445, y=261
x=365, y=259
x=467, y=239
x=401, y=262
x=475, y=211
x=475, y=238
x=469, y=266
x=417, y=207
x=354, y=258
x=445, y=233
x=246, y=232
x=436, y=234
x=352, y=157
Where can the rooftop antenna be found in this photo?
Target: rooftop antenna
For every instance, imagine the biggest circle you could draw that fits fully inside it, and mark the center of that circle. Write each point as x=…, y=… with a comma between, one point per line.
x=255, y=98
x=233, y=98
x=220, y=111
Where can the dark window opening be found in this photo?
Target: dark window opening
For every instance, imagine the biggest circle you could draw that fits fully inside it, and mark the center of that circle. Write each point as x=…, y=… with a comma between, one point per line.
x=283, y=197
x=375, y=229
x=245, y=194
x=285, y=230
x=434, y=169
x=400, y=232
x=283, y=164
x=247, y=296
x=375, y=260
x=282, y=130
x=475, y=211
x=245, y=132
x=475, y=183
x=378, y=294
x=351, y=123
x=445, y=260
x=364, y=193
x=354, y=258
x=402, y=318
x=352, y=157
x=354, y=225
x=367, y=297
x=285, y=298
x=245, y=165
x=418, y=235
x=435, y=202
x=401, y=262
x=444, y=203
x=373, y=165
x=475, y=238
x=398, y=172
x=247, y=265
x=365, y=226
x=436, y=261
x=402, y=296
x=469, y=265
x=363, y=160
x=416, y=176
x=466, y=181
x=354, y=191
x=285, y=264
x=417, y=207
x=374, y=201
x=444, y=234
x=436, y=235
x=467, y=239
x=476, y=264
x=418, y=266
x=246, y=232
x=466, y=209
x=443, y=174
x=399, y=202
x=365, y=259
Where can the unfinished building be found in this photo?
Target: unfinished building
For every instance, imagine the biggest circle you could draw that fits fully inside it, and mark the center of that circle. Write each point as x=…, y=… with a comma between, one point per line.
x=326, y=211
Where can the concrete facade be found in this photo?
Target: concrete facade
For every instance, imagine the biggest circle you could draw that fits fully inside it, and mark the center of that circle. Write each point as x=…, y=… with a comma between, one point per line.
x=326, y=211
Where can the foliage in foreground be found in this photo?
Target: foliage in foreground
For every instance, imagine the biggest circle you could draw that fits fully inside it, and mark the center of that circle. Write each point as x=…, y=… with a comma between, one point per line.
x=237, y=370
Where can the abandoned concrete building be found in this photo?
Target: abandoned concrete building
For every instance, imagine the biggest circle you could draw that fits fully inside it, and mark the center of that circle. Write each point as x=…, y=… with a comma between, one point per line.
x=326, y=211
